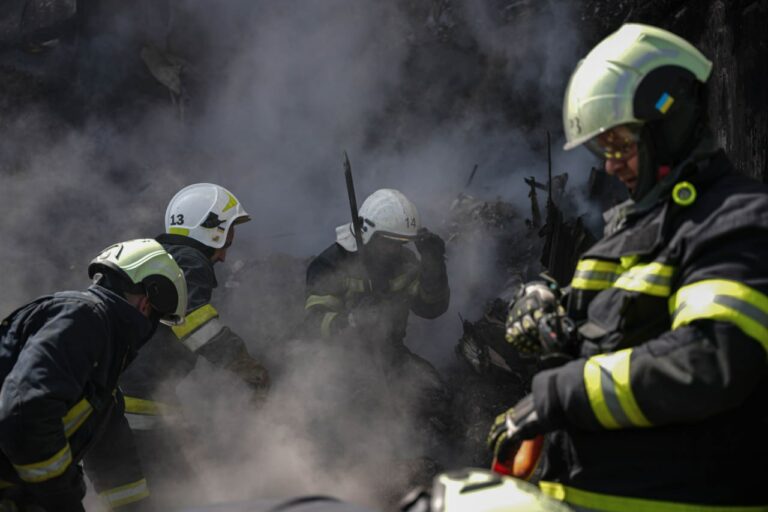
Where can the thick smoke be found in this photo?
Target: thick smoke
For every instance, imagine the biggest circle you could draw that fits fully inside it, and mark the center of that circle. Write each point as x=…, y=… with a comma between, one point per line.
x=274, y=92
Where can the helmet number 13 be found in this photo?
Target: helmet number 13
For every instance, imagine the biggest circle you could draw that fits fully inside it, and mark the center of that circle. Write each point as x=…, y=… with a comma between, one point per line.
x=177, y=220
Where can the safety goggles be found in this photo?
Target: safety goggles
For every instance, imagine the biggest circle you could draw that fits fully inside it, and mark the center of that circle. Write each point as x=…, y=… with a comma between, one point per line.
x=618, y=143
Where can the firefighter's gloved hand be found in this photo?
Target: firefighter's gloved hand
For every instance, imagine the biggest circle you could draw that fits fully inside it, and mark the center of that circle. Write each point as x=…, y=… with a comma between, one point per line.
x=511, y=428
x=537, y=323
x=430, y=244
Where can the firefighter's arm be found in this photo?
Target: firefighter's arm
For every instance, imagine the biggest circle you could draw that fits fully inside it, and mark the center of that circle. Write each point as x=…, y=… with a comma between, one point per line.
x=36, y=415
x=325, y=311
x=227, y=350
x=433, y=295
x=709, y=361
x=113, y=466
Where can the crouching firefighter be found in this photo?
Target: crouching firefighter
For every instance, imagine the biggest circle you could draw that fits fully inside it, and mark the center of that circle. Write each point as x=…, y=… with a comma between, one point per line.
x=663, y=405
x=371, y=290
x=200, y=227
x=60, y=359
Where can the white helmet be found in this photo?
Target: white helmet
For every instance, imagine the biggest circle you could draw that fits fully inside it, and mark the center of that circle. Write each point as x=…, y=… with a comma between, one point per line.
x=386, y=212
x=205, y=212
x=480, y=490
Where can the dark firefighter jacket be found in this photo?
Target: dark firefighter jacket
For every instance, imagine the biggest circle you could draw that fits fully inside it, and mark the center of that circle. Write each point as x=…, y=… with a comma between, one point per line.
x=149, y=383
x=667, y=404
x=337, y=283
x=60, y=358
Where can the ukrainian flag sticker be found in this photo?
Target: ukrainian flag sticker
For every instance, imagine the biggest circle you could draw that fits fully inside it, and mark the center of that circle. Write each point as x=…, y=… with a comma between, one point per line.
x=664, y=103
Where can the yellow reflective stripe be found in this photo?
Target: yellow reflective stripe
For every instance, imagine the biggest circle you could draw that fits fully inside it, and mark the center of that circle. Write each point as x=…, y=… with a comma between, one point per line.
x=125, y=494
x=46, y=469
x=5, y=485
x=723, y=300
x=203, y=335
x=194, y=320
x=402, y=281
x=179, y=231
x=231, y=203
x=135, y=405
x=76, y=416
x=589, y=265
x=587, y=500
x=327, y=301
x=325, y=325
x=593, y=274
x=355, y=285
x=606, y=377
x=651, y=278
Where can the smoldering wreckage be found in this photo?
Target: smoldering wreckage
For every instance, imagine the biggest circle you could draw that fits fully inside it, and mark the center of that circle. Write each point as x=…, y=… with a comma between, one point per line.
x=312, y=406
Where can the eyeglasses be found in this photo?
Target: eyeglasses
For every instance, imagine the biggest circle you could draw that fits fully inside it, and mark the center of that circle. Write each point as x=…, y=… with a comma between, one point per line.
x=618, y=143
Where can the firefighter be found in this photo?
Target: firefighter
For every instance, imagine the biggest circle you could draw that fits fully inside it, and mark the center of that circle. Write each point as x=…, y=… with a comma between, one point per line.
x=369, y=294
x=663, y=405
x=60, y=359
x=200, y=227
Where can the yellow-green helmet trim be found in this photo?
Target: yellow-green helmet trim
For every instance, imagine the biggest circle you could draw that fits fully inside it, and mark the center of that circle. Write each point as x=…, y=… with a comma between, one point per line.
x=143, y=261
x=601, y=90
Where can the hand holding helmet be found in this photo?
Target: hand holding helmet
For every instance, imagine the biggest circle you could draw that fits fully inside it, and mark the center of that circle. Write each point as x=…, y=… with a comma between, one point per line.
x=429, y=244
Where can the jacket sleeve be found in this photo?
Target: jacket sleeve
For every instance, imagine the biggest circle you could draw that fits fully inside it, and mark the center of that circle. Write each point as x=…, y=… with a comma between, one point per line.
x=709, y=362
x=113, y=466
x=325, y=311
x=48, y=377
x=227, y=350
x=433, y=295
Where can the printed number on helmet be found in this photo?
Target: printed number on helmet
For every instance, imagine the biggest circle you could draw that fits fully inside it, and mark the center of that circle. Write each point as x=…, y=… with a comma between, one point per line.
x=177, y=220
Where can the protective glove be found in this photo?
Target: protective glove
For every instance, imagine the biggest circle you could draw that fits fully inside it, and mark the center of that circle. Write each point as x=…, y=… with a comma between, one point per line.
x=537, y=323
x=510, y=429
x=429, y=244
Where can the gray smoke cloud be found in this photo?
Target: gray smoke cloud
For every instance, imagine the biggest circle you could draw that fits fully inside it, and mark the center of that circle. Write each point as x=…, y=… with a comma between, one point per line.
x=276, y=91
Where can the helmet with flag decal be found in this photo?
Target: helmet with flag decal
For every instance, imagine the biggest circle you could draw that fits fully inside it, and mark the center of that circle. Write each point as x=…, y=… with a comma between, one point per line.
x=648, y=80
x=205, y=212
x=386, y=213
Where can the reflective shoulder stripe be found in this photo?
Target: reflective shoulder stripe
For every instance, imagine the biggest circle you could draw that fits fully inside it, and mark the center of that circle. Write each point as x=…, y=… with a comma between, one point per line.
x=651, y=278
x=6, y=485
x=723, y=300
x=606, y=378
x=325, y=325
x=194, y=320
x=328, y=301
x=597, y=502
x=76, y=416
x=46, y=469
x=594, y=274
x=125, y=494
x=203, y=334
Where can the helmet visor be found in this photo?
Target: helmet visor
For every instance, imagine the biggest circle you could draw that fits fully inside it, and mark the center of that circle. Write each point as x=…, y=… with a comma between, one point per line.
x=617, y=143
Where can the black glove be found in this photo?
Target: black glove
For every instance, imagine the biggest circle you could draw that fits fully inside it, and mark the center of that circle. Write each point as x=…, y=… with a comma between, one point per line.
x=537, y=322
x=511, y=428
x=429, y=244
